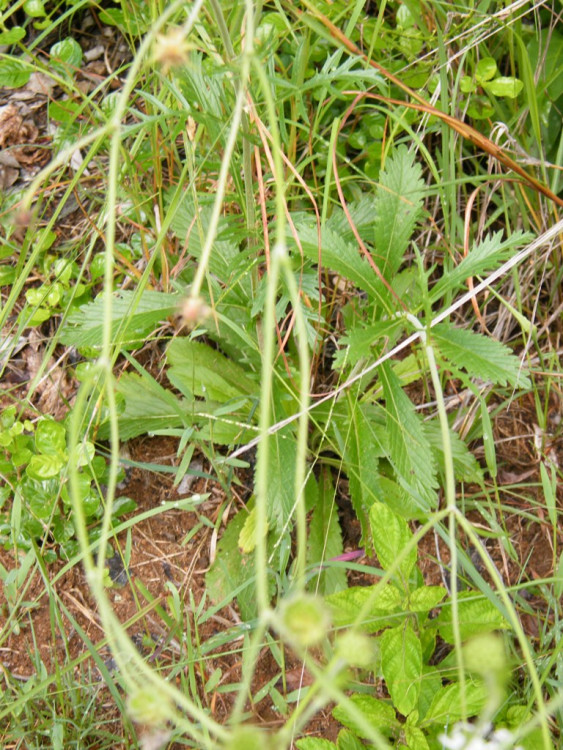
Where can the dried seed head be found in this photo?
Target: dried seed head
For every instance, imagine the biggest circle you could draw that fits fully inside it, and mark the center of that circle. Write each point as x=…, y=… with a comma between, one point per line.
x=194, y=311
x=172, y=49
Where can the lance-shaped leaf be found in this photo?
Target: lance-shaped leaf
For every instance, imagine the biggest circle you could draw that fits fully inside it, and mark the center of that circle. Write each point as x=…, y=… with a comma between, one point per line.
x=401, y=663
x=391, y=535
x=360, y=446
x=203, y=371
x=325, y=537
x=133, y=317
x=483, y=258
x=398, y=208
x=410, y=452
x=479, y=355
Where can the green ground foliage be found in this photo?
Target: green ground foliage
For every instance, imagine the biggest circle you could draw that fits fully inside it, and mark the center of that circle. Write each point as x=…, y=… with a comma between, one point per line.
x=314, y=245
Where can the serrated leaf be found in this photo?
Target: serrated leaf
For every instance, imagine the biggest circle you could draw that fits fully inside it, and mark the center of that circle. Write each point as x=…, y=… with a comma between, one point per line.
x=133, y=318
x=232, y=574
x=483, y=258
x=347, y=740
x=205, y=372
x=281, y=468
x=361, y=341
x=430, y=684
x=425, y=598
x=314, y=743
x=325, y=538
x=399, y=500
x=187, y=223
x=377, y=714
x=401, y=663
x=475, y=615
x=390, y=537
x=247, y=536
x=147, y=407
x=446, y=707
x=13, y=73
x=398, y=207
x=479, y=355
x=346, y=606
x=340, y=256
x=466, y=466
x=357, y=438
x=361, y=213
x=410, y=452
x=415, y=738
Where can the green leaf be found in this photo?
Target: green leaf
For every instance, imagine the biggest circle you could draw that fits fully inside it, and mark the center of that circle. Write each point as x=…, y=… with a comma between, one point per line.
x=34, y=8
x=281, y=467
x=446, y=707
x=426, y=598
x=391, y=535
x=247, y=536
x=133, y=318
x=13, y=73
x=340, y=256
x=467, y=85
x=488, y=438
x=361, y=342
x=147, y=407
x=506, y=86
x=466, y=466
x=134, y=24
x=123, y=505
x=67, y=51
x=67, y=111
x=483, y=258
x=50, y=437
x=40, y=495
x=205, y=372
x=476, y=615
x=7, y=275
x=399, y=500
x=545, y=53
x=314, y=743
x=325, y=538
x=347, y=740
x=415, y=738
x=398, y=207
x=189, y=223
x=379, y=716
x=346, y=606
x=485, y=69
x=232, y=574
x=45, y=466
x=410, y=453
x=360, y=446
x=12, y=36
x=479, y=355
x=401, y=663
x=480, y=108
x=431, y=683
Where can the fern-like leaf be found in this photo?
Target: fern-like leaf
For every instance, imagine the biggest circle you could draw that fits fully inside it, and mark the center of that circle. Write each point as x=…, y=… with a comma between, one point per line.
x=340, y=256
x=479, y=355
x=410, y=452
x=398, y=207
x=483, y=258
